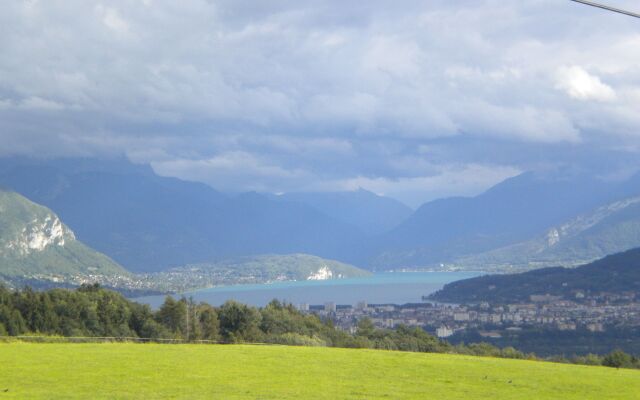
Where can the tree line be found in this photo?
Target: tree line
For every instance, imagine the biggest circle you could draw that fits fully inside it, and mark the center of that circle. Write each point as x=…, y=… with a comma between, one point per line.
x=97, y=312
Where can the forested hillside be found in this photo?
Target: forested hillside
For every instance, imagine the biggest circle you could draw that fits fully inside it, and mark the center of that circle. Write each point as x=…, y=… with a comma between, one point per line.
x=615, y=274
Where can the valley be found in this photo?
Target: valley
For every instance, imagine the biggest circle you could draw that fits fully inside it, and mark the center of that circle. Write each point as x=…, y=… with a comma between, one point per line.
x=212, y=199
x=149, y=224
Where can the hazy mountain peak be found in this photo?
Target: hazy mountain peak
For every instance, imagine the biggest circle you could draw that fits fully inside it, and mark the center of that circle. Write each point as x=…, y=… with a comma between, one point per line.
x=361, y=208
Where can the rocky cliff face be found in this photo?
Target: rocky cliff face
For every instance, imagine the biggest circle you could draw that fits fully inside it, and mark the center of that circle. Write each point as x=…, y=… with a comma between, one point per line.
x=26, y=228
x=587, y=221
x=39, y=234
x=36, y=245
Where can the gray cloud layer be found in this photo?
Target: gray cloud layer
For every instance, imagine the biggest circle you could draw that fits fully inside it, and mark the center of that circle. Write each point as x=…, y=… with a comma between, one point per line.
x=415, y=100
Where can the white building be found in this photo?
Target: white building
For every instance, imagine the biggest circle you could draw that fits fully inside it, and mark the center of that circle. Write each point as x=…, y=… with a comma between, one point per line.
x=444, y=332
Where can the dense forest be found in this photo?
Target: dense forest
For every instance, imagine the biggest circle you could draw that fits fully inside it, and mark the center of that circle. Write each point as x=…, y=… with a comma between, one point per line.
x=91, y=311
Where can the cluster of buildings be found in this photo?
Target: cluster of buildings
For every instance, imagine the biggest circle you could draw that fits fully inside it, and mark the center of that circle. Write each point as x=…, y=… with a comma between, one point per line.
x=596, y=314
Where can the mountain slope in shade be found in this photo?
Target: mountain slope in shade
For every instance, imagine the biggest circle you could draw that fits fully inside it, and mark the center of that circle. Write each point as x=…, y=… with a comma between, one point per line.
x=150, y=223
x=35, y=244
x=608, y=229
x=135, y=217
x=617, y=273
x=367, y=211
x=513, y=211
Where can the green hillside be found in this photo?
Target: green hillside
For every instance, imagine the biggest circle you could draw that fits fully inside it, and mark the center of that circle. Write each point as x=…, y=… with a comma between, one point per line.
x=617, y=273
x=152, y=371
x=609, y=229
x=36, y=245
x=256, y=269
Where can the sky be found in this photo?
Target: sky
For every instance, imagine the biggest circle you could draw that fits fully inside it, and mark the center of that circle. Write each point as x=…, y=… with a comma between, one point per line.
x=415, y=99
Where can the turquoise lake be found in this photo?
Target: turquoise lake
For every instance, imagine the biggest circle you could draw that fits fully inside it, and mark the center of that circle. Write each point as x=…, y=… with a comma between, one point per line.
x=382, y=288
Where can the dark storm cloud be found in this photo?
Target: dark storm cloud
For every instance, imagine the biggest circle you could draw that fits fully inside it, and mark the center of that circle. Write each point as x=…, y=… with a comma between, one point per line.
x=415, y=100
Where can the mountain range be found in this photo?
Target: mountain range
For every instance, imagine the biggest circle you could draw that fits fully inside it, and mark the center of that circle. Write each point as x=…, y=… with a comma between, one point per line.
x=38, y=249
x=608, y=229
x=370, y=213
x=516, y=210
x=150, y=223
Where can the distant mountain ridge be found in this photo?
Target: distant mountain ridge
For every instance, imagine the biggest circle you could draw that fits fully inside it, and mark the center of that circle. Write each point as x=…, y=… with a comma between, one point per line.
x=150, y=223
x=458, y=230
x=608, y=229
x=367, y=211
x=35, y=244
x=37, y=248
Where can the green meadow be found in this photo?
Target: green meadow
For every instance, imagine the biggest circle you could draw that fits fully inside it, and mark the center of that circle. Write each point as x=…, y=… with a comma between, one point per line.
x=162, y=371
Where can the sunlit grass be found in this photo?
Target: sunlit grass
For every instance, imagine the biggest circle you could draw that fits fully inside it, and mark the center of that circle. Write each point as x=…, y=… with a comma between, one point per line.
x=154, y=371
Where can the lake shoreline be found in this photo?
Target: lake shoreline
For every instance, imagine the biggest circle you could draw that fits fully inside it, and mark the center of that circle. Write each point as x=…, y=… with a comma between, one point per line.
x=379, y=288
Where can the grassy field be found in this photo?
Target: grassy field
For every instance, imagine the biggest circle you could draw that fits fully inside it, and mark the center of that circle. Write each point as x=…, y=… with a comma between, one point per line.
x=153, y=371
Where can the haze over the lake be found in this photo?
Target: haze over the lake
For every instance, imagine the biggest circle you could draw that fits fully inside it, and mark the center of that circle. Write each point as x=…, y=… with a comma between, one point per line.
x=382, y=288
